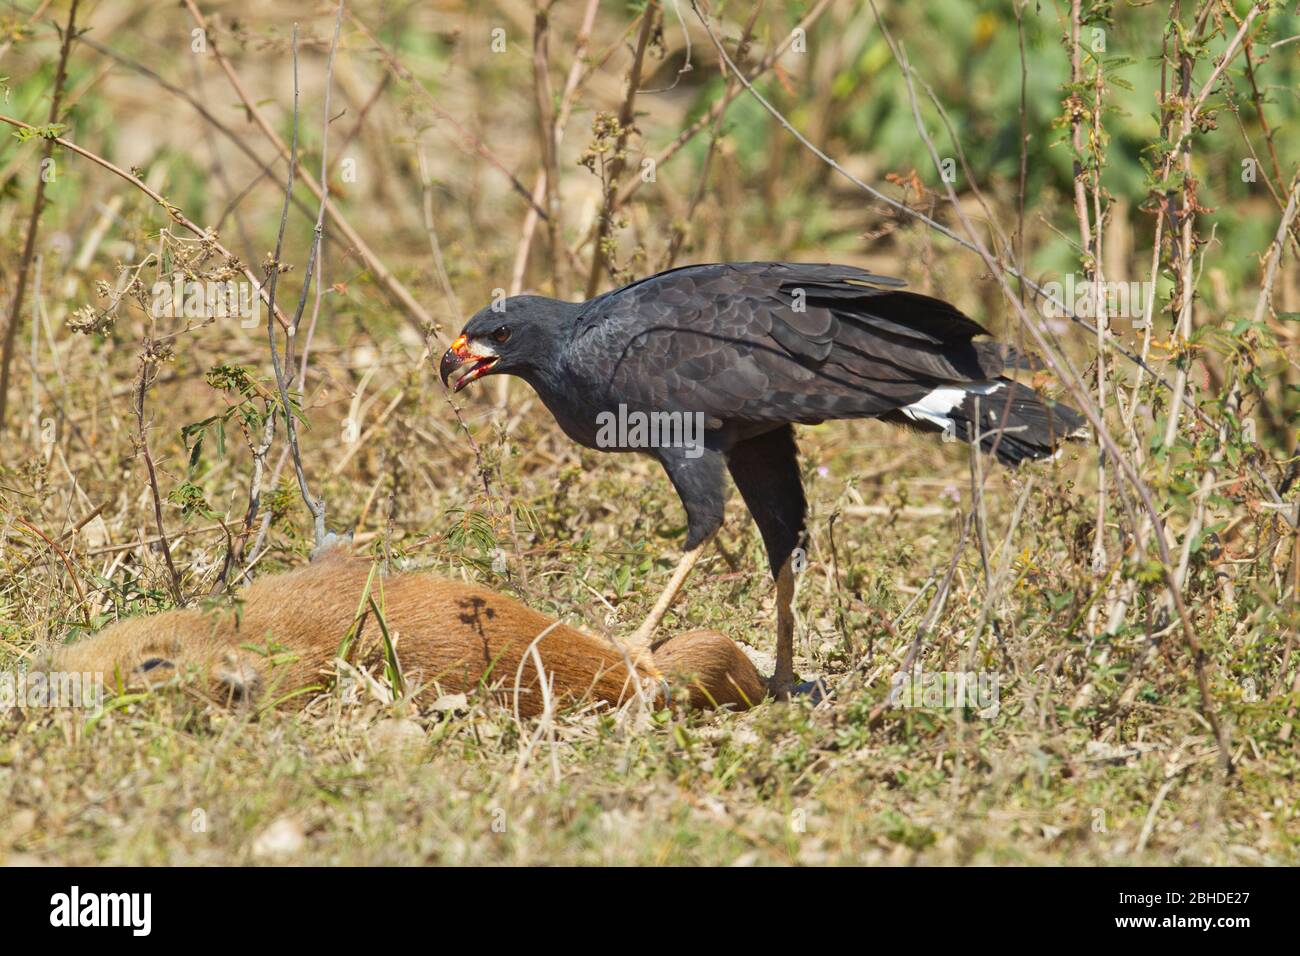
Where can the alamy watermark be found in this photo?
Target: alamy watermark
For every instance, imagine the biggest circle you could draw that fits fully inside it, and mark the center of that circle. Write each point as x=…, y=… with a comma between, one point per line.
x=1093, y=300
x=637, y=429
x=945, y=690
x=188, y=299
x=133, y=911
x=51, y=689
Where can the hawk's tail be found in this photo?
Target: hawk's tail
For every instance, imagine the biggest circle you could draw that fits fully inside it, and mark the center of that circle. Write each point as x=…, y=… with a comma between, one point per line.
x=1011, y=421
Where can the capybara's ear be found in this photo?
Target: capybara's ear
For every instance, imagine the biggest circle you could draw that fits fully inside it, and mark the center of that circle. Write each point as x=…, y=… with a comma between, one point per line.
x=45, y=660
x=238, y=678
x=332, y=548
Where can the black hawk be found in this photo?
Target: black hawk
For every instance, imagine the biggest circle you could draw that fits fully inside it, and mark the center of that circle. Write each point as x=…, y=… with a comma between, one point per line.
x=709, y=367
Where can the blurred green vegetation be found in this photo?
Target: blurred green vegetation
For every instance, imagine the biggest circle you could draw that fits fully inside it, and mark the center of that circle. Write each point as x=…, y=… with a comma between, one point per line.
x=969, y=54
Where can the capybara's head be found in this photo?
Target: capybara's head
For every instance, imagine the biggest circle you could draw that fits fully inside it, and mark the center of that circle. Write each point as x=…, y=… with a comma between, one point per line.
x=142, y=653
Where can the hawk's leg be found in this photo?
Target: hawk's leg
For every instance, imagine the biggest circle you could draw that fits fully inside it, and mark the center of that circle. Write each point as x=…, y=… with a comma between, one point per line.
x=697, y=476
x=766, y=470
x=644, y=636
x=783, y=677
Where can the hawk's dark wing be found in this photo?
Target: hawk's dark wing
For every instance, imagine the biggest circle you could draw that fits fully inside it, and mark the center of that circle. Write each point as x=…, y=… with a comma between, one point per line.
x=775, y=342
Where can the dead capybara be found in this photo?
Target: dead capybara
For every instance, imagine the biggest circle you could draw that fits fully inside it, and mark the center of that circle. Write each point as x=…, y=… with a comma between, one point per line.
x=276, y=644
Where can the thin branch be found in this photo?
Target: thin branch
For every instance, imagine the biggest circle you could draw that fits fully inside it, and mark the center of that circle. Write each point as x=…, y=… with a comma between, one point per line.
x=626, y=119
x=1073, y=381
x=405, y=75
x=315, y=505
x=34, y=221
x=172, y=210
x=415, y=313
x=542, y=185
x=143, y=381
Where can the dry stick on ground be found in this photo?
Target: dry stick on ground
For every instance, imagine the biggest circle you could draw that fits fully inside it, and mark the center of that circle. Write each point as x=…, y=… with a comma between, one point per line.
x=626, y=119
x=414, y=312
x=940, y=596
x=931, y=614
x=33, y=222
x=999, y=577
x=173, y=211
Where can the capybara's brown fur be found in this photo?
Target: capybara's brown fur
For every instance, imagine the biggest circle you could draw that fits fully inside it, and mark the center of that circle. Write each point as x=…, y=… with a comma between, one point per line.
x=279, y=640
x=712, y=670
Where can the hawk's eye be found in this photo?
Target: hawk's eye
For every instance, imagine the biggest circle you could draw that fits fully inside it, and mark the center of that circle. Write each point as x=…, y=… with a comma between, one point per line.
x=501, y=335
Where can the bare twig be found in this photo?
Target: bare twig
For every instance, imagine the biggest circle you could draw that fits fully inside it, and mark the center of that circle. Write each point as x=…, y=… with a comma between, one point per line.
x=172, y=210
x=679, y=234
x=414, y=313
x=545, y=188
x=626, y=119
x=148, y=362
x=403, y=74
x=1071, y=378
x=544, y=105
x=315, y=505
x=33, y=222
x=706, y=120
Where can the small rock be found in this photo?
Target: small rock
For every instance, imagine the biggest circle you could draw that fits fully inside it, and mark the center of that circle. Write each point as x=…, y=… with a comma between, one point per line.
x=450, y=702
x=397, y=736
x=282, y=838
x=21, y=823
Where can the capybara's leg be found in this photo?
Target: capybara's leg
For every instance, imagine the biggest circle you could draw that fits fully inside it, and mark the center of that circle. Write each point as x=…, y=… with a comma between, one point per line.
x=710, y=669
